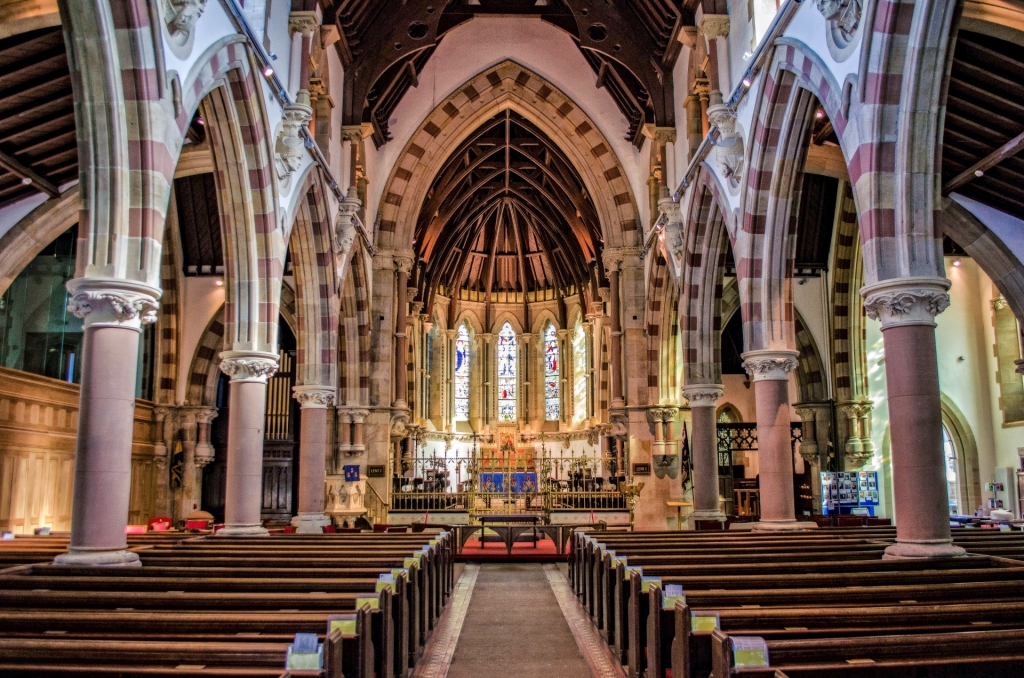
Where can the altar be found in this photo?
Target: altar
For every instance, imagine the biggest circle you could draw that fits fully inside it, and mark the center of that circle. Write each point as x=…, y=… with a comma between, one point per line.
x=522, y=481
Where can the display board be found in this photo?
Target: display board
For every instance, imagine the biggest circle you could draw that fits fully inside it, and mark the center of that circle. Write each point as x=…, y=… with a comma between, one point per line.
x=844, y=491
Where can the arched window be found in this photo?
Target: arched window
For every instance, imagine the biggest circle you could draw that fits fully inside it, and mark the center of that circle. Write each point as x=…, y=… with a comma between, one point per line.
x=579, y=374
x=462, y=374
x=952, y=472
x=507, y=373
x=552, y=404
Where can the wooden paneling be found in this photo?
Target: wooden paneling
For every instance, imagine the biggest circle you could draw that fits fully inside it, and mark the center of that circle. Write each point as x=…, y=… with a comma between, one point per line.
x=38, y=431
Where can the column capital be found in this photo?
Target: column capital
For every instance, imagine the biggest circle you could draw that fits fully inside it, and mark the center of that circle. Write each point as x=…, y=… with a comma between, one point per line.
x=620, y=257
x=305, y=23
x=703, y=395
x=314, y=397
x=906, y=301
x=661, y=413
x=112, y=302
x=249, y=366
x=769, y=364
x=403, y=262
x=206, y=415
x=714, y=26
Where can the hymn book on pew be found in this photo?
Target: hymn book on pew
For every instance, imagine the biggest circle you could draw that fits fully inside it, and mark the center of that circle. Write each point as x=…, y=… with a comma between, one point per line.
x=305, y=653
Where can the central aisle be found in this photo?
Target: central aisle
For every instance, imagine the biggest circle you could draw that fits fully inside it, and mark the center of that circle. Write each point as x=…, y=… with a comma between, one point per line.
x=514, y=627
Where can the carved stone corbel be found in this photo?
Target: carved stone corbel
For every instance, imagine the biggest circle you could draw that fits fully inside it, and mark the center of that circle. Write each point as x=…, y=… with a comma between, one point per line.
x=289, y=146
x=181, y=17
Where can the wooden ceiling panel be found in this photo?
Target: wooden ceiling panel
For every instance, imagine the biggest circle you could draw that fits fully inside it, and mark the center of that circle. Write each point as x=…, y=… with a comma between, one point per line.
x=984, y=123
x=38, y=146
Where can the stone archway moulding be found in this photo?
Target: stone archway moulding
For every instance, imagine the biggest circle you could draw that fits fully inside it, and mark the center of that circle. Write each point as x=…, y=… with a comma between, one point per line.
x=507, y=85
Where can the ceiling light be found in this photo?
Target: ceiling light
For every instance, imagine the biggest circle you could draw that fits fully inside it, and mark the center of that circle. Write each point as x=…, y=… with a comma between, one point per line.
x=25, y=181
x=268, y=71
x=218, y=282
x=747, y=55
x=979, y=173
x=819, y=114
x=957, y=261
x=746, y=82
x=200, y=121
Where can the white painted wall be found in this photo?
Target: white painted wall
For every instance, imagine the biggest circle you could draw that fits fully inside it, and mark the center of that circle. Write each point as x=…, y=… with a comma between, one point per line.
x=484, y=42
x=201, y=298
x=1009, y=229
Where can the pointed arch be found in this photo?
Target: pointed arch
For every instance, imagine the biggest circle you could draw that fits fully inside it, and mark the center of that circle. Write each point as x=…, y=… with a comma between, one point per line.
x=507, y=85
x=354, y=333
x=316, y=302
x=810, y=376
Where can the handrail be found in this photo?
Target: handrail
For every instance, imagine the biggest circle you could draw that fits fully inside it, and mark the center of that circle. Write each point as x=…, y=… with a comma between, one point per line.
x=779, y=23
x=282, y=96
x=376, y=508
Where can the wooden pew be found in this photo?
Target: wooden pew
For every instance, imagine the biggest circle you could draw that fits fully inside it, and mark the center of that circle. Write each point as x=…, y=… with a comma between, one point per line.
x=965, y=654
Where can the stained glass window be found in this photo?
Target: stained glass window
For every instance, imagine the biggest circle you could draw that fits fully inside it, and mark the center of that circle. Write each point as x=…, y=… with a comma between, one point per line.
x=507, y=373
x=579, y=374
x=462, y=374
x=552, y=406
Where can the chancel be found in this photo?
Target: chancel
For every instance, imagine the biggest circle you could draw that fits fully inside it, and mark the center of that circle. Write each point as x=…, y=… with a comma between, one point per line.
x=380, y=338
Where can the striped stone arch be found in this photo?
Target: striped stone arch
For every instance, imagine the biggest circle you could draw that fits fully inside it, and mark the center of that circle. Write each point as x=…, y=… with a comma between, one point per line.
x=203, y=372
x=316, y=301
x=166, y=368
x=895, y=161
x=765, y=242
x=246, y=191
x=661, y=317
x=507, y=85
x=848, y=319
x=354, y=333
x=705, y=250
x=809, y=375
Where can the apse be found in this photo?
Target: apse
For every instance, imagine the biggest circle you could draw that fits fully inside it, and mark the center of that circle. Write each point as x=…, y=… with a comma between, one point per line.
x=507, y=220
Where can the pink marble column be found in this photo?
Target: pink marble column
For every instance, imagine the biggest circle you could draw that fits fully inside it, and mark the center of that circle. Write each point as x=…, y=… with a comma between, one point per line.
x=314, y=442
x=113, y=312
x=907, y=308
x=249, y=371
x=770, y=370
x=704, y=450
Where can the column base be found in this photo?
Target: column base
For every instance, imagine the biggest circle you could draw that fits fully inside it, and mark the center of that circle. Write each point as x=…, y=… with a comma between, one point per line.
x=905, y=550
x=242, y=531
x=310, y=523
x=783, y=526
x=75, y=558
x=707, y=515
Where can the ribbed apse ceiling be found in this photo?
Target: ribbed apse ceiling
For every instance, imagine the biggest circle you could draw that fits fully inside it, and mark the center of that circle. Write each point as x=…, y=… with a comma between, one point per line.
x=506, y=215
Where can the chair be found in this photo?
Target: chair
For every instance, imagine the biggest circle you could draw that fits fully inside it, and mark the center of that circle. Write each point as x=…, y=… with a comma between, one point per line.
x=330, y=529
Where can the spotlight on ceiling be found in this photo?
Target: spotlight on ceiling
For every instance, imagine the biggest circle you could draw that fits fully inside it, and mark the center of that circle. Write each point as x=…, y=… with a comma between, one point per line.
x=979, y=173
x=746, y=82
x=819, y=114
x=957, y=261
x=218, y=282
x=268, y=71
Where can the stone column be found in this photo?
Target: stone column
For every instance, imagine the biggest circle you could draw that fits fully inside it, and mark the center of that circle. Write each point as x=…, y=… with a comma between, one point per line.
x=907, y=308
x=704, y=450
x=565, y=388
x=314, y=442
x=616, y=327
x=770, y=370
x=809, y=449
x=161, y=459
x=403, y=266
x=357, y=429
x=249, y=371
x=114, y=312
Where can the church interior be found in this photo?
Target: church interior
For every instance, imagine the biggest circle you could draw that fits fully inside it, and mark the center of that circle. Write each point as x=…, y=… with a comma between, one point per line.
x=339, y=338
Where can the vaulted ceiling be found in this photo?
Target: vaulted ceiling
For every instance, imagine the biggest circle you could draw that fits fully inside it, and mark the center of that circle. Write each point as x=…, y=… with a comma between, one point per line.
x=507, y=214
x=984, y=123
x=38, y=150
x=631, y=47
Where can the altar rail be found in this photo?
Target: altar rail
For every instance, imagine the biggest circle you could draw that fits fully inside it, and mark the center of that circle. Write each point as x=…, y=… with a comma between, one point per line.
x=488, y=503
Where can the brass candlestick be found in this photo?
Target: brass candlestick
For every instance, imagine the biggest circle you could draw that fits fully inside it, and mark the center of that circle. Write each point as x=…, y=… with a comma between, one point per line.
x=630, y=490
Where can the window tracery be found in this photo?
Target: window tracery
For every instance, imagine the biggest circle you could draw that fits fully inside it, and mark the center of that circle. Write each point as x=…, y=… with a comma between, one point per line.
x=462, y=374
x=507, y=373
x=579, y=374
x=552, y=402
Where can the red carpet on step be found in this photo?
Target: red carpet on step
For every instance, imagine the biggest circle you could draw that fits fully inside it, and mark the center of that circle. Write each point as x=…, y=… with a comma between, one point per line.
x=545, y=551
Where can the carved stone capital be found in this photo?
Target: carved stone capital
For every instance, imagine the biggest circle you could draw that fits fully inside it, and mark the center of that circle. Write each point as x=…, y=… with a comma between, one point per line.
x=248, y=366
x=702, y=395
x=714, y=26
x=181, y=17
x=672, y=210
x=702, y=88
x=206, y=415
x=344, y=229
x=769, y=364
x=999, y=303
x=661, y=414
x=108, y=302
x=314, y=397
x=906, y=301
x=305, y=23
x=289, y=146
x=403, y=264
